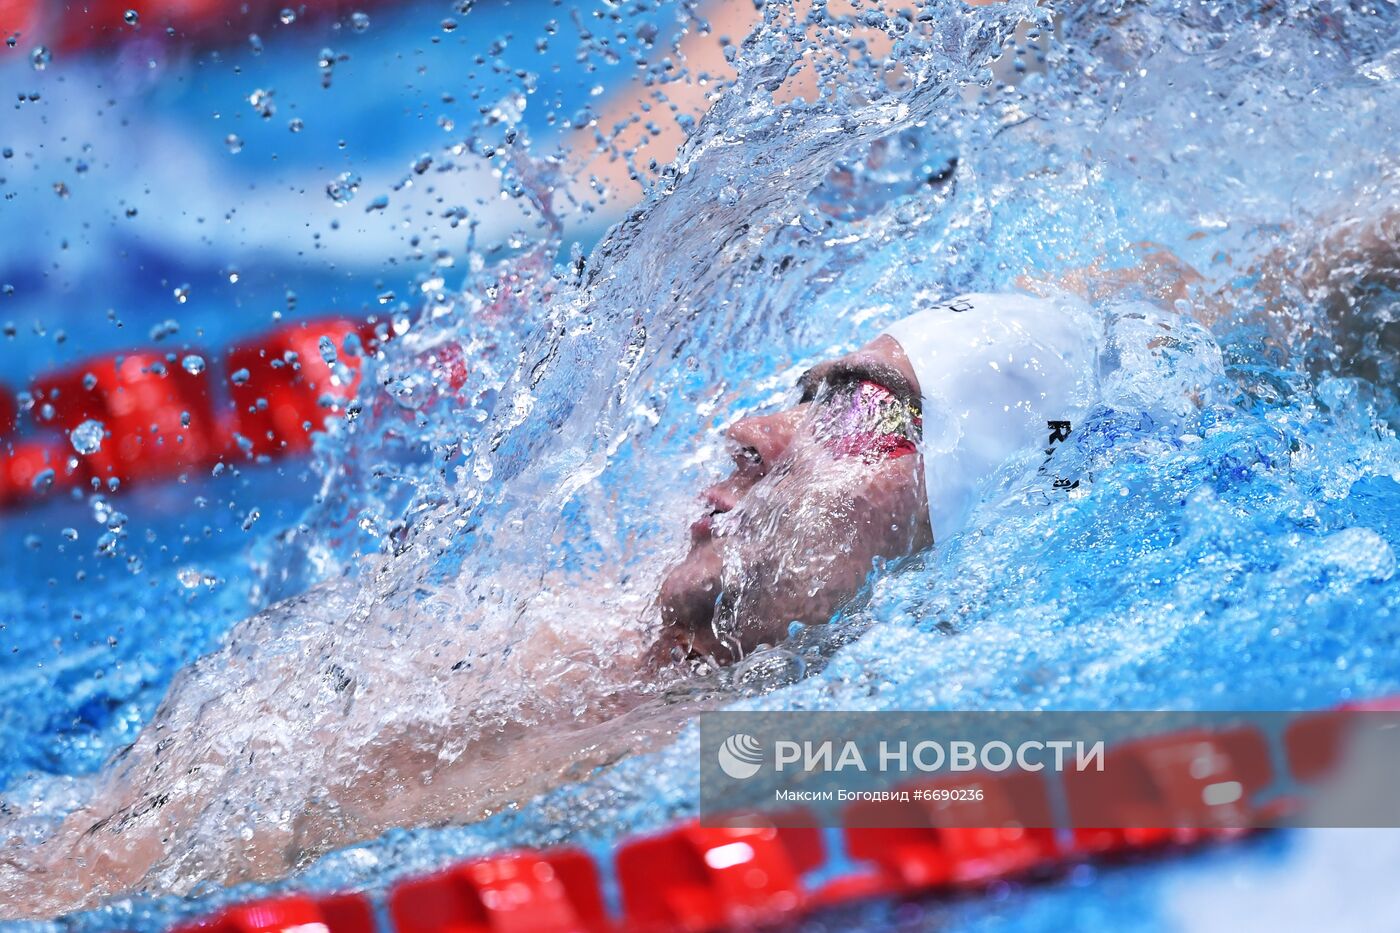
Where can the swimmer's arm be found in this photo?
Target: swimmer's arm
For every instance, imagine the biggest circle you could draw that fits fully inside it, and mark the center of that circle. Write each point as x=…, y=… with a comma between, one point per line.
x=1158, y=275
x=1358, y=251
x=1331, y=266
x=640, y=122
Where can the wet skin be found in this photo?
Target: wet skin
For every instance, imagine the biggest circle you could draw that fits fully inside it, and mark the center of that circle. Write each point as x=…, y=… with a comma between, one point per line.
x=797, y=527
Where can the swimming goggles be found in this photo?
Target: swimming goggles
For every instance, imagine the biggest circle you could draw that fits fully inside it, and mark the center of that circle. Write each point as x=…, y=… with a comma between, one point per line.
x=866, y=419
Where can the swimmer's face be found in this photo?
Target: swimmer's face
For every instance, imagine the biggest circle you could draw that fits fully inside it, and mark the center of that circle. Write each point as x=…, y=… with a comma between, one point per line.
x=819, y=492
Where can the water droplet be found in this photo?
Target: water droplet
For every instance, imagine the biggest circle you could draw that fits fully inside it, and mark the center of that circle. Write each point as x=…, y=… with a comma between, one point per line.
x=327, y=348
x=193, y=364
x=131, y=18
x=87, y=437
x=40, y=57
x=240, y=377
x=251, y=518
x=343, y=188
x=89, y=382
x=359, y=21
x=182, y=293
x=261, y=99
x=287, y=16
x=255, y=43
x=70, y=534
x=449, y=24
x=168, y=327
x=234, y=144
x=233, y=275
x=295, y=125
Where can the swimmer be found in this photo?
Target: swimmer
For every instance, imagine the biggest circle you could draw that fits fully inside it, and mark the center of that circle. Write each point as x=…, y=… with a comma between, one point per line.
x=318, y=724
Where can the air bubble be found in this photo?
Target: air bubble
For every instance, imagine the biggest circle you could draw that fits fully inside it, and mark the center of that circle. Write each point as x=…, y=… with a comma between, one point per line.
x=193, y=364
x=131, y=18
x=40, y=57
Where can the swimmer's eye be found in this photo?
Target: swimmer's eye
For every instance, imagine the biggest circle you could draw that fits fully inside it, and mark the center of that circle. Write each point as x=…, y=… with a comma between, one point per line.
x=864, y=417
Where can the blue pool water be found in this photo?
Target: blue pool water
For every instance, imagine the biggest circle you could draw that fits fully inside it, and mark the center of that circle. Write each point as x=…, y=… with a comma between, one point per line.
x=1234, y=550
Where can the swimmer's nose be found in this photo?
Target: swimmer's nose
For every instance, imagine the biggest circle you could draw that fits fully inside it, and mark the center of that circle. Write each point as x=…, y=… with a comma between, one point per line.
x=761, y=439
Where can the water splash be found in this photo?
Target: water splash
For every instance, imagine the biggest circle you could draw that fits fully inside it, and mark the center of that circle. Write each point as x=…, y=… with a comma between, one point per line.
x=540, y=427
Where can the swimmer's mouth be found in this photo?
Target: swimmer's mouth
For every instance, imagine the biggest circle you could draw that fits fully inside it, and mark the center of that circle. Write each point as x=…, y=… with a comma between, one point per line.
x=703, y=529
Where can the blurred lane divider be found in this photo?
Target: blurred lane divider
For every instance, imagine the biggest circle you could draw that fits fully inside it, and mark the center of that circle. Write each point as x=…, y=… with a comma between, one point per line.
x=95, y=24
x=147, y=415
x=695, y=878
x=18, y=17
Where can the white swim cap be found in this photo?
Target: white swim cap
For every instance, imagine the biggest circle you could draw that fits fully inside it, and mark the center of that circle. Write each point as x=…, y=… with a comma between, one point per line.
x=998, y=374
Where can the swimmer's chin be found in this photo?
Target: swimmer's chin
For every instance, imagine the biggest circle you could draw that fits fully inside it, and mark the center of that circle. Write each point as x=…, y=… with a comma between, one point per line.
x=691, y=588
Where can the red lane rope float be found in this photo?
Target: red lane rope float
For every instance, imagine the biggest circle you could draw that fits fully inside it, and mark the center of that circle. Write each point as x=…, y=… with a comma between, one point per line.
x=161, y=417
x=283, y=389
x=910, y=851
x=339, y=913
x=1157, y=787
x=716, y=878
x=75, y=27
x=515, y=893
x=18, y=17
x=699, y=879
